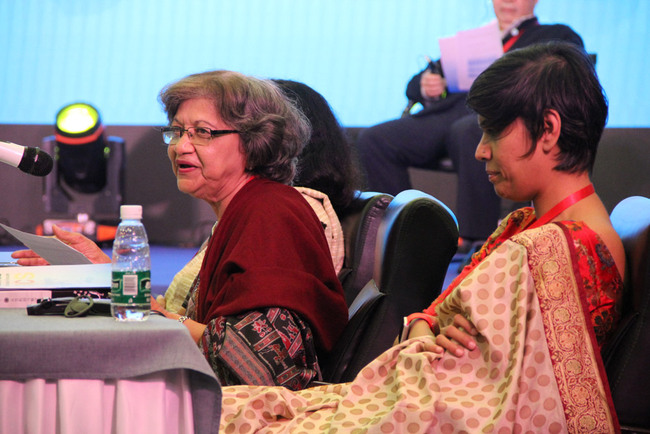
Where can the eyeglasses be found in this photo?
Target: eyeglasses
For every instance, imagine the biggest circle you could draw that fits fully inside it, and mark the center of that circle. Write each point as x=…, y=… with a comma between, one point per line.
x=200, y=135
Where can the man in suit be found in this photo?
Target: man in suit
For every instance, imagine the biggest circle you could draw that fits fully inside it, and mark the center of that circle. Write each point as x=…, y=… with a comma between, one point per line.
x=445, y=127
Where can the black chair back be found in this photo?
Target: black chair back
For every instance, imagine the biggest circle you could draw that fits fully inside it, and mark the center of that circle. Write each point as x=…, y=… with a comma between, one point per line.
x=360, y=222
x=336, y=366
x=627, y=356
x=416, y=241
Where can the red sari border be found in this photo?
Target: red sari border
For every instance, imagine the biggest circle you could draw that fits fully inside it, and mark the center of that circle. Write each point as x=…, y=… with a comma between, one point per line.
x=571, y=339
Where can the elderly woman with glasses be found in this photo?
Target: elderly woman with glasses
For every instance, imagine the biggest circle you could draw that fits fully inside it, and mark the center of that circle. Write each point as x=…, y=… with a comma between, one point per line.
x=267, y=299
x=327, y=175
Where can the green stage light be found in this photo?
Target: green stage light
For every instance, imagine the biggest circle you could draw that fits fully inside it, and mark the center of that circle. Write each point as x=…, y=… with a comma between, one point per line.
x=77, y=124
x=85, y=189
x=80, y=151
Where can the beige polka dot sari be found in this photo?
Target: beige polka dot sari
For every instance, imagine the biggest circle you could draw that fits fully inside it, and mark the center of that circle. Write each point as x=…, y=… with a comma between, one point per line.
x=536, y=368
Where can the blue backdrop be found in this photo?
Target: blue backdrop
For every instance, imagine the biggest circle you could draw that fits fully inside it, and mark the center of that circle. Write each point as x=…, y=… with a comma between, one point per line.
x=117, y=54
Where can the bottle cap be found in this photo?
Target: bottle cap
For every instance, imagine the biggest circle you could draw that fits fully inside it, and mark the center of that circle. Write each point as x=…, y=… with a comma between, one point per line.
x=131, y=212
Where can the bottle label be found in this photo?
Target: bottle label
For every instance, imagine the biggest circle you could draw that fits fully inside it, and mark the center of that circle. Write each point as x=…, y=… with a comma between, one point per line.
x=131, y=287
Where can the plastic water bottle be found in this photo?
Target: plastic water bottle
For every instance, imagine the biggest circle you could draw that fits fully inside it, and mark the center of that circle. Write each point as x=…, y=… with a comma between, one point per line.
x=131, y=269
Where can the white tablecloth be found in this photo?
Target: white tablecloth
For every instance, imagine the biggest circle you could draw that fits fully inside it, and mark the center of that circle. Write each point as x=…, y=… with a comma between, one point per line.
x=154, y=403
x=94, y=375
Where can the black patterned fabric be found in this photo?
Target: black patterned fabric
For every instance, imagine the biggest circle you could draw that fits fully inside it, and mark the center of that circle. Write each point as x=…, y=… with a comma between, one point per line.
x=271, y=347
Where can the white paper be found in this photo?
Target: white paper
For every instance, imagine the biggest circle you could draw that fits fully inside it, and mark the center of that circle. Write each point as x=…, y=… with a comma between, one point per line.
x=49, y=248
x=468, y=53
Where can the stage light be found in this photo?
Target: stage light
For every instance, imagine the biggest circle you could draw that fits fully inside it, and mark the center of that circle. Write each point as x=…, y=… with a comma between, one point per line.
x=85, y=190
x=81, y=148
x=78, y=121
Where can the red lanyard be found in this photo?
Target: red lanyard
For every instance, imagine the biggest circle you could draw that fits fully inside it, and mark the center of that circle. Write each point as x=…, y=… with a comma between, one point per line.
x=564, y=204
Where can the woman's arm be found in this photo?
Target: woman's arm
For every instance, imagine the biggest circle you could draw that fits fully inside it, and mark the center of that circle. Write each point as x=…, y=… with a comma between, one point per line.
x=77, y=241
x=196, y=328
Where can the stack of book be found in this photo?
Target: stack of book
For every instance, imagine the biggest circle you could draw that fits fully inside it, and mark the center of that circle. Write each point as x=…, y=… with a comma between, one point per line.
x=70, y=274
x=22, y=286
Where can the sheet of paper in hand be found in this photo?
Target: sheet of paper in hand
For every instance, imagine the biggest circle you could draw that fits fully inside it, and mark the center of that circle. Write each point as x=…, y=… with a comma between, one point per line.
x=468, y=53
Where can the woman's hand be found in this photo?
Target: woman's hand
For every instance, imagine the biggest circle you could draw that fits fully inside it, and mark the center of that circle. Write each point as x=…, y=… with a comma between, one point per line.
x=157, y=307
x=77, y=241
x=160, y=299
x=458, y=336
x=28, y=258
x=196, y=329
x=454, y=338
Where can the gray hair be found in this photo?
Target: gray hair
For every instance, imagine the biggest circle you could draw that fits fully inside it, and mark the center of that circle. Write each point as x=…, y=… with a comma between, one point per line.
x=272, y=129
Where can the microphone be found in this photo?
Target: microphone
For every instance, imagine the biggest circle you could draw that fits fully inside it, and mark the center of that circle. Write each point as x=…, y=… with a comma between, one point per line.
x=433, y=66
x=30, y=160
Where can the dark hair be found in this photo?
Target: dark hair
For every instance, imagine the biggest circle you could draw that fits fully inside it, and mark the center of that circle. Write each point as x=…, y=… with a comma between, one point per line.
x=273, y=131
x=328, y=162
x=524, y=83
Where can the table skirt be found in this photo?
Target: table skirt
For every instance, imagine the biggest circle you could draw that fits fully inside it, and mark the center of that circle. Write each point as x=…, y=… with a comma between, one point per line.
x=160, y=402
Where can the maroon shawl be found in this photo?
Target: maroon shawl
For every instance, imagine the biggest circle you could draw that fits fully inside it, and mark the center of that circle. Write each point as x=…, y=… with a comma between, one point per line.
x=269, y=250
